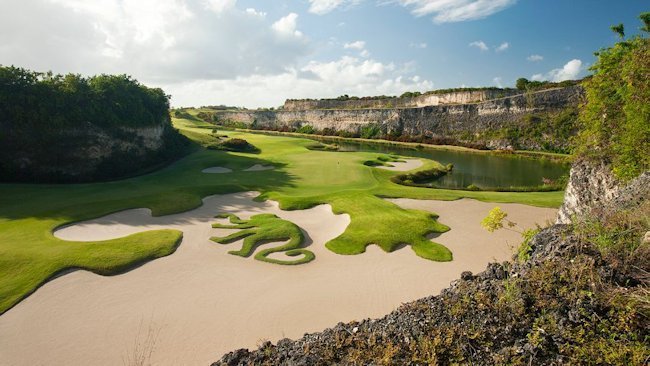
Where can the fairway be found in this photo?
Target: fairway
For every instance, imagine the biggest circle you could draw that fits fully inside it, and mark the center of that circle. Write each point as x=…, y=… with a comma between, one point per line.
x=301, y=178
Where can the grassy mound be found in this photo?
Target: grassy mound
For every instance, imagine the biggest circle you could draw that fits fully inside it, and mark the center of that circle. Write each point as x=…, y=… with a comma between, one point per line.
x=236, y=145
x=262, y=229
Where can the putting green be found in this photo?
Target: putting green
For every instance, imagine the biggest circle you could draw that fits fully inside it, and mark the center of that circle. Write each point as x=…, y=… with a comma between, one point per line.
x=303, y=178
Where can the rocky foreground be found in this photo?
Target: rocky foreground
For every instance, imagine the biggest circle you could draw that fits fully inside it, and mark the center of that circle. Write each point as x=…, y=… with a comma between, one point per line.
x=575, y=294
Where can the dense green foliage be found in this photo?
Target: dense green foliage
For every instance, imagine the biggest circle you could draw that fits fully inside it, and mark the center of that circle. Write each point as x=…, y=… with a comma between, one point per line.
x=70, y=128
x=615, y=122
x=550, y=131
x=264, y=228
x=234, y=144
x=535, y=85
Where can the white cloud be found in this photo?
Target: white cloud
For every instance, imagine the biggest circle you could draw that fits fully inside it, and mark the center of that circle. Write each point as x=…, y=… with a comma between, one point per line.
x=447, y=11
x=347, y=75
x=418, y=45
x=219, y=6
x=253, y=11
x=502, y=47
x=155, y=41
x=498, y=81
x=480, y=45
x=569, y=71
x=286, y=26
x=199, y=51
x=322, y=7
x=535, y=58
x=357, y=45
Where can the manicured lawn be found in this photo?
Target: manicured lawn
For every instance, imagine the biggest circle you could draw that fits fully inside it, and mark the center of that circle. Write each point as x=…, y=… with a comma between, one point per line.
x=30, y=254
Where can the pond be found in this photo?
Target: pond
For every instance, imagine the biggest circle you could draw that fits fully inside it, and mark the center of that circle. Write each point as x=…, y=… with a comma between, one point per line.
x=486, y=171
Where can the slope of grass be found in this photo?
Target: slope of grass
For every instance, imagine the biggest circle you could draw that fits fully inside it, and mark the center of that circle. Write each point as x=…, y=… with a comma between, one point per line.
x=30, y=254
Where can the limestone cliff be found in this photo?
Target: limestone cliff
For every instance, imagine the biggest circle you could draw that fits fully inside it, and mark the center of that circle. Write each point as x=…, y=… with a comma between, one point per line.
x=92, y=152
x=592, y=188
x=455, y=97
x=477, y=122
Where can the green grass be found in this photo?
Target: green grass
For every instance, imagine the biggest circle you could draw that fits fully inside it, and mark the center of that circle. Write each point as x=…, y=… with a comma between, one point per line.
x=30, y=254
x=266, y=228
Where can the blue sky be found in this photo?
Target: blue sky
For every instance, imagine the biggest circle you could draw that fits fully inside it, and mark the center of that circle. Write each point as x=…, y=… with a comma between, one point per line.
x=259, y=52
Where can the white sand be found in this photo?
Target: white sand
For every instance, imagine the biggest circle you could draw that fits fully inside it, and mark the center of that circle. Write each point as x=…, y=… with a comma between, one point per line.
x=202, y=302
x=216, y=170
x=406, y=165
x=259, y=167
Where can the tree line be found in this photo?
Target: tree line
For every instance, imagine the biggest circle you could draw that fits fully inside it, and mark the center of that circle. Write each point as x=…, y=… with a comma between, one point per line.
x=50, y=122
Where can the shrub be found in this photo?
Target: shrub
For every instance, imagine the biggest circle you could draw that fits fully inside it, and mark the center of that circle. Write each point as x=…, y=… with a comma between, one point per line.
x=473, y=187
x=308, y=129
x=370, y=131
x=234, y=144
x=419, y=178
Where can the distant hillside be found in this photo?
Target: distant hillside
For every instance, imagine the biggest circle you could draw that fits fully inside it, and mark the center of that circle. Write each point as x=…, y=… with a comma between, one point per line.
x=56, y=128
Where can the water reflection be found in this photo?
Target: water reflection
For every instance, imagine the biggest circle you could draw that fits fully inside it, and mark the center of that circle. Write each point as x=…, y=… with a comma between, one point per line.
x=485, y=171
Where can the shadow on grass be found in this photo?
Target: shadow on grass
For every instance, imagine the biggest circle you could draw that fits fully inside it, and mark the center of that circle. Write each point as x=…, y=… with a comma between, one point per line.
x=176, y=188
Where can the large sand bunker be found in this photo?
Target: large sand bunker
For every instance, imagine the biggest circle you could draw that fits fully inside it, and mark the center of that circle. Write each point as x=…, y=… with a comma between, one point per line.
x=259, y=167
x=403, y=166
x=216, y=170
x=201, y=302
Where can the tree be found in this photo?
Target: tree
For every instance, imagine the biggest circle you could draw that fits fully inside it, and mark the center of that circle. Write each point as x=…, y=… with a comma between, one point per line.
x=645, y=18
x=522, y=83
x=619, y=29
x=616, y=118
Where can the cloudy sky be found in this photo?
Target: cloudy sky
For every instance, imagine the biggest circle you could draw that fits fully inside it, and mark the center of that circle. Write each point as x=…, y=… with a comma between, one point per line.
x=256, y=53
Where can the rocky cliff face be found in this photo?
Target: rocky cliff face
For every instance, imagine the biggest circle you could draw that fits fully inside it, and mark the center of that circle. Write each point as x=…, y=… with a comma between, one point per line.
x=93, y=152
x=592, y=188
x=475, y=121
x=460, y=97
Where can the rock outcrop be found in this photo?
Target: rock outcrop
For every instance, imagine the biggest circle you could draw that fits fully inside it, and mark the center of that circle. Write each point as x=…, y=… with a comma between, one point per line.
x=592, y=187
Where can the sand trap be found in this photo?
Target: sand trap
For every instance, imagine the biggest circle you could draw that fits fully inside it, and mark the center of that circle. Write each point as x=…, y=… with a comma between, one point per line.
x=259, y=167
x=408, y=164
x=202, y=302
x=216, y=170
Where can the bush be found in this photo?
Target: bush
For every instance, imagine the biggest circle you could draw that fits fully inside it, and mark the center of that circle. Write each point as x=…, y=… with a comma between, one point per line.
x=234, y=144
x=370, y=131
x=308, y=129
x=420, y=178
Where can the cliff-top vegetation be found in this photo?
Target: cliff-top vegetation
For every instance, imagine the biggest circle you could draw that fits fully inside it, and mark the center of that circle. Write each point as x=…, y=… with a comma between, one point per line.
x=615, y=122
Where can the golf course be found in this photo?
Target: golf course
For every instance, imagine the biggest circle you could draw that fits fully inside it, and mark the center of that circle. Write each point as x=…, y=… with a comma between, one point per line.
x=49, y=232
x=302, y=178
